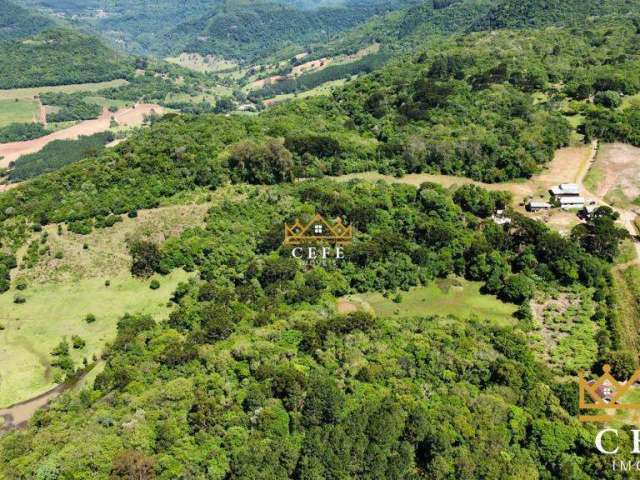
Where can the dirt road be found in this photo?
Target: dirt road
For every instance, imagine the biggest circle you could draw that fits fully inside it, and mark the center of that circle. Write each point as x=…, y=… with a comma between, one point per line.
x=125, y=117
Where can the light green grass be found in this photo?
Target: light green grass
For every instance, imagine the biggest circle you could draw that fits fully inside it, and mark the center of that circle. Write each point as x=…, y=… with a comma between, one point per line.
x=54, y=311
x=106, y=102
x=594, y=177
x=324, y=89
x=22, y=111
x=29, y=93
x=444, y=297
x=627, y=252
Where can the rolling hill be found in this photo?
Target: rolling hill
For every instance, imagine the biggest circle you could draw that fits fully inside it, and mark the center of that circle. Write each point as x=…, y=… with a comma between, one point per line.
x=17, y=22
x=165, y=26
x=60, y=57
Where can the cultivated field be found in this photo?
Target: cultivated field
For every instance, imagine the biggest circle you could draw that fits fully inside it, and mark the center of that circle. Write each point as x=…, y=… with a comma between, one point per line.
x=127, y=117
x=615, y=175
x=199, y=63
x=30, y=93
x=21, y=111
x=454, y=296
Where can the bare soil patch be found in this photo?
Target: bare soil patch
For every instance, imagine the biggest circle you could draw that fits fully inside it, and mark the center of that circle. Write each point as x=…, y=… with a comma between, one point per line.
x=124, y=117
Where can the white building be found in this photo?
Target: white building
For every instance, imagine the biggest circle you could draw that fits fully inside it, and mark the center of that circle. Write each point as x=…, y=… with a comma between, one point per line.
x=566, y=190
x=533, y=206
x=570, y=203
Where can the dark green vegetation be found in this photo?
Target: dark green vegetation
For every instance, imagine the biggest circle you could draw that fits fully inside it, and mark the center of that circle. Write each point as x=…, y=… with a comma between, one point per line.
x=19, y=132
x=70, y=107
x=17, y=22
x=58, y=154
x=253, y=31
x=252, y=376
x=312, y=80
x=539, y=13
x=60, y=57
x=233, y=28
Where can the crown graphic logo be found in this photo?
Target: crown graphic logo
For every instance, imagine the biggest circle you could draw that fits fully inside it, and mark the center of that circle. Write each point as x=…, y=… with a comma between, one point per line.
x=317, y=229
x=605, y=393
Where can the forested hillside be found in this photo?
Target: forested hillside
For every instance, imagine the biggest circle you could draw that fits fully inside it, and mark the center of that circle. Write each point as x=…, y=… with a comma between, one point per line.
x=17, y=22
x=60, y=57
x=254, y=375
x=253, y=371
x=249, y=32
x=536, y=13
x=167, y=26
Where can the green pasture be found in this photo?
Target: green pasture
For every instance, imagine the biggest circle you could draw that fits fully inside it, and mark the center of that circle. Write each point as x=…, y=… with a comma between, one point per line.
x=21, y=111
x=53, y=311
x=456, y=296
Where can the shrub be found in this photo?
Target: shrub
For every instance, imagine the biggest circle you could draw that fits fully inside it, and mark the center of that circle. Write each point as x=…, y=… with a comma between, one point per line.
x=90, y=318
x=155, y=284
x=77, y=342
x=608, y=99
x=19, y=299
x=21, y=285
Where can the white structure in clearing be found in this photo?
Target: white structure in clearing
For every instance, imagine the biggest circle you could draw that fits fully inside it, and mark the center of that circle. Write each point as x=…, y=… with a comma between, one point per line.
x=571, y=203
x=566, y=190
x=534, y=206
x=500, y=218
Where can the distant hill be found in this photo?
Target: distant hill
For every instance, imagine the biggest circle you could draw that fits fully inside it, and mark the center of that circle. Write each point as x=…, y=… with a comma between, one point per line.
x=409, y=26
x=60, y=57
x=249, y=32
x=537, y=13
x=18, y=22
x=163, y=26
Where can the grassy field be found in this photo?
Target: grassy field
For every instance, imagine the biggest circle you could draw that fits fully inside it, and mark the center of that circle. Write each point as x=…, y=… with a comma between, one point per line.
x=29, y=93
x=54, y=311
x=22, y=111
x=443, y=297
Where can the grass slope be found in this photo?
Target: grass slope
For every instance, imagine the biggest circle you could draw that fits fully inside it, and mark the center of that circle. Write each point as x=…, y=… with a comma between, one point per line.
x=54, y=311
x=22, y=111
x=444, y=297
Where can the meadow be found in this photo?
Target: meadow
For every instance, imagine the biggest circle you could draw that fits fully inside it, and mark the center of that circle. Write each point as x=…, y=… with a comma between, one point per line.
x=29, y=93
x=54, y=311
x=21, y=111
x=453, y=296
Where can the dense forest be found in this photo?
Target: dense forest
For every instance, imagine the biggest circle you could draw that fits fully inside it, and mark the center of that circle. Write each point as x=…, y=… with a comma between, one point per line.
x=19, y=132
x=254, y=376
x=253, y=373
x=254, y=31
x=217, y=26
x=57, y=154
x=17, y=22
x=60, y=57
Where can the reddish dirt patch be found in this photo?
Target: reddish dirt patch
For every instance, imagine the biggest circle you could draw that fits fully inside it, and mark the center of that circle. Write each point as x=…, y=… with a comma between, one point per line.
x=345, y=306
x=125, y=117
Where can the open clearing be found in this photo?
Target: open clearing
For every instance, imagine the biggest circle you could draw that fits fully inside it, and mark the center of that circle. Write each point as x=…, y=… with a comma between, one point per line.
x=615, y=175
x=199, y=63
x=54, y=311
x=30, y=93
x=22, y=111
x=61, y=292
x=452, y=296
x=127, y=117
x=569, y=165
